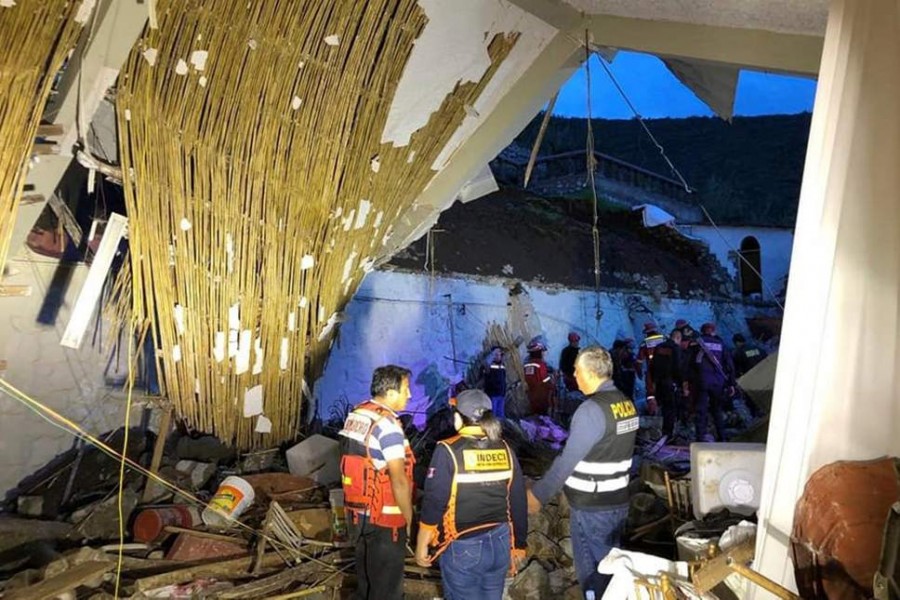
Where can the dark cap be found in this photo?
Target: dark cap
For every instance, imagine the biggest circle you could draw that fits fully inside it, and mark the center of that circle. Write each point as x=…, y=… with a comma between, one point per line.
x=473, y=404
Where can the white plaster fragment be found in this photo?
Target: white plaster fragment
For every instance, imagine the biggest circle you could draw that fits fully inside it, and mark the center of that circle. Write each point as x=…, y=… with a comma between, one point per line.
x=229, y=253
x=375, y=164
x=198, y=59
x=181, y=67
x=7, y=3
x=326, y=330
x=321, y=313
x=258, y=362
x=234, y=316
x=253, y=401
x=307, y=262
x=348, y=220
x=410, y=157
x=378, y=218
x=362, y=214
x=219, y=346
x=263, y=424
x=305, y=387
x=178, y=314
x=233, y=343
x=296, y=103
x=470, y=111
x=292, y=321
x=284, y=355
x=301, y=64
x=304, y=302
x=185, y=224
x=339, y=211
x=253, y=44
x=84, y=11
x=348, y=266
x=202, y=81
x=367, y=264
x=176, y=353
x=127, y=114
x=242, y=360
x=333, y=40
x=150, y=55
x=197, y=385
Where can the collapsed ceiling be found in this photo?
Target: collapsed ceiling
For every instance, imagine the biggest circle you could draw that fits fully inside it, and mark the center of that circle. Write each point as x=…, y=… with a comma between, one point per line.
x=273, y=152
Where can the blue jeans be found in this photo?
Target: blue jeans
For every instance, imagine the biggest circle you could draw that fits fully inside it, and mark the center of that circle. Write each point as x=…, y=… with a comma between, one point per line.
x=475, y=567
x=498, y=406
x=594, y=533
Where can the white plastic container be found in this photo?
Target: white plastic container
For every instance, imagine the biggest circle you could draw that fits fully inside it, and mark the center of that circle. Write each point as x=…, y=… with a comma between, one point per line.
x=725, y=475
x=317, y=457
x=232, y=498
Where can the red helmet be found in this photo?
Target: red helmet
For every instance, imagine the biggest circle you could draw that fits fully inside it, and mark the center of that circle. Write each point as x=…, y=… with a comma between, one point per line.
x=574, y=337
x=649, y=326
x=535, y=346
x=708, y=329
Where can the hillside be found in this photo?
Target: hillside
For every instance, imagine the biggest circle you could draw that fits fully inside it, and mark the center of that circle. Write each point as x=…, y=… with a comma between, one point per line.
x=745, y=172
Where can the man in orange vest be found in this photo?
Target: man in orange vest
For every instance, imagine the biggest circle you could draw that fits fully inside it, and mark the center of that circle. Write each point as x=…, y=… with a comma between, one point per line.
x=376, y=471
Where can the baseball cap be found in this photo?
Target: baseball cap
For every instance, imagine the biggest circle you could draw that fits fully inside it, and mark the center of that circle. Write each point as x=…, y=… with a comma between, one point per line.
x=473, y=403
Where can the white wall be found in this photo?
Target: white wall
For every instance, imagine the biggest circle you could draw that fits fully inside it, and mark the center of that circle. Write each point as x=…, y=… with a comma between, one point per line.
x=775, y=251
x=70, y=382
x=403, y=318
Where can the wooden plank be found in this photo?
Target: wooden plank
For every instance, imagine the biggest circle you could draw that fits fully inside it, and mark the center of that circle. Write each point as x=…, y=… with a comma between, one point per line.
x=205, y=534
x=51, y=129
x=44, y=148
x=65, y=216
x=32, y=199
x=225, y=569
x=269, y=585
x=15, y=291
x=165, y=421
x=62, y=583
x=713, y=571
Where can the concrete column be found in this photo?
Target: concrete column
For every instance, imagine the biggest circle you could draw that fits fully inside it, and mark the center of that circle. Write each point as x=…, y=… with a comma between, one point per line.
x=836, y=392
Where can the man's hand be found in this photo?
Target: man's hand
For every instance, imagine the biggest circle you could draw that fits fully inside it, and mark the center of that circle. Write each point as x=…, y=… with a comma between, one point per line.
x=423, y=560
x=534, y=505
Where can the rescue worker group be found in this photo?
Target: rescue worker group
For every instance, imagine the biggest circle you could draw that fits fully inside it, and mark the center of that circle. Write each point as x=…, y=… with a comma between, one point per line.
x=472, y=518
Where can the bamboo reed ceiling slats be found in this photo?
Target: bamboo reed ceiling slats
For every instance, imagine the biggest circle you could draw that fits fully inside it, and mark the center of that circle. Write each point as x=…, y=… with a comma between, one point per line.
x=36, y=37
x=258, y=191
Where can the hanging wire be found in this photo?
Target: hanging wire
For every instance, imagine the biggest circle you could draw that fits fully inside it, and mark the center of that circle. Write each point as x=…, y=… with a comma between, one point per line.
x=680, y=177
x=591, y=166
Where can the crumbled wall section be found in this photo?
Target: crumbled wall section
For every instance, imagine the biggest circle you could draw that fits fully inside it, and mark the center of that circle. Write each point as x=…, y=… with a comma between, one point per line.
x=260, y=192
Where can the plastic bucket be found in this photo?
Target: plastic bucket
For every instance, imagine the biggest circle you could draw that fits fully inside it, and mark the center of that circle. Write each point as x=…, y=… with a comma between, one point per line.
x=232, y=498
x=150, y=523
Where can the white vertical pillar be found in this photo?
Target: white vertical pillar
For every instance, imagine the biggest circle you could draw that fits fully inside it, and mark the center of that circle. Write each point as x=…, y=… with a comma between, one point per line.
x=836, y=392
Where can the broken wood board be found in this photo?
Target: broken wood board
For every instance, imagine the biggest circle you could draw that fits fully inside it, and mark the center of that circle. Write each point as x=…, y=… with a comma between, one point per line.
x=265, y=587
x=715, y=570
x=225, y=569
x=68, y=580
x=15, y=291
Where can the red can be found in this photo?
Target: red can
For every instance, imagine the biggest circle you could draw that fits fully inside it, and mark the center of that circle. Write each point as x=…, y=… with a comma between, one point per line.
x=149, y=524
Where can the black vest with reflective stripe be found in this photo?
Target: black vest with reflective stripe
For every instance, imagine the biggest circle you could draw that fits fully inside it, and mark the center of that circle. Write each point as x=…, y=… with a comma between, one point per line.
x=484, y=471
x=601, y=478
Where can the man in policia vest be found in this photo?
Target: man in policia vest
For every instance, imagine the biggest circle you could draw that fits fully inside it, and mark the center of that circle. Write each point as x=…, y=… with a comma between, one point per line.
x=376, y=472
x=593, y=468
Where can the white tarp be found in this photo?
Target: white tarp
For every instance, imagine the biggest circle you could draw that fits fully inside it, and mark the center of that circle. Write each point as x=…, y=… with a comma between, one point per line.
x=714, y=84
x=654, y=216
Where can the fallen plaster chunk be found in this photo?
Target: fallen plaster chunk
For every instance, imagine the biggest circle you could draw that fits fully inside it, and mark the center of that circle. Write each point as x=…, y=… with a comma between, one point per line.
x=242, y=360
x=253, y=401
x=296, y=103
x=202, y=81
x=326, y=330
x=229, y=252
x=411, y=157
x=470, y=111
x=198, y=59
x=181, y=68
x=253, y=44
x=185, y=225
x=333, y=40
x=127, y=114
x=348, y=220
x=307, y=262
x=348, y=266
x=176, y=353
x=378, y=218
x=367, y=265
x=234, y=316
x=150, y=55
x=263, y=425
x=84, y=11
x=292, y=321
x=7, y=3
x=300, y=65
x=304, y=302
x=376, y=164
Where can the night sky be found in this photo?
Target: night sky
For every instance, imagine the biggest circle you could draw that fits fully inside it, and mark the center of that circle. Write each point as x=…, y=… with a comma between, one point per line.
x=656, y=93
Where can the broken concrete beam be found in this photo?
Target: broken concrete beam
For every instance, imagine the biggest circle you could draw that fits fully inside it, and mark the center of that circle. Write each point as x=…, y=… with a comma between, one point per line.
x=199, y=473
x=317, y=457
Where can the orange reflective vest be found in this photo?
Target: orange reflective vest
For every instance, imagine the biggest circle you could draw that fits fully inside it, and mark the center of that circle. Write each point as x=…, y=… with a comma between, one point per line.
x=367, y=490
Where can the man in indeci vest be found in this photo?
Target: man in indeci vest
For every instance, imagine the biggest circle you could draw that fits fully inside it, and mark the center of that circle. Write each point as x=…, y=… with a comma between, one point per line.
x=376, y=472
x=593, y=469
